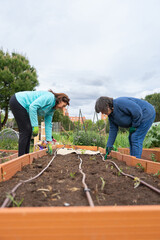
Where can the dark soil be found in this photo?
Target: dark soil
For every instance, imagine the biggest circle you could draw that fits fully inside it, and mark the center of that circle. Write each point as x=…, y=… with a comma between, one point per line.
x=61, y=183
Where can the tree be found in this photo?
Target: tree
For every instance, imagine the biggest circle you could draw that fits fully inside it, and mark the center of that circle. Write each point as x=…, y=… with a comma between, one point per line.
x=1, y=116
x=58, y=116
x=154, y=99
x=65, y=120
x=16, y=75
x=88, y=124
x=100, y=124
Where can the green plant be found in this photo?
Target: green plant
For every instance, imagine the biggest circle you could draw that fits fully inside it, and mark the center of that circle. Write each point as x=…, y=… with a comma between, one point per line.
x=14, y=202
x=3, y=174
x=119, y=172
x=62, y=138
x=157, y=174
x=154, y=99
x=153, y=157
x=152, y=138
x=136, y=182
x=9, y=144
x=103, y=183
x=72, y=175
x=92, y=158
x=139, y=166
x=122, y=140
x=83, y=151
x=89, y=138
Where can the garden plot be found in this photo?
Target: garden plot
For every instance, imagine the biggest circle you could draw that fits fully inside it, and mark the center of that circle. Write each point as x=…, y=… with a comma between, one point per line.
x=7, y=155
x=61, y=183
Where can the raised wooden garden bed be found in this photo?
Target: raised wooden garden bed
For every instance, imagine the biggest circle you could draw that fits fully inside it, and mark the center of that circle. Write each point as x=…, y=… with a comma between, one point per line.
x=108, y=219
x=152, y=154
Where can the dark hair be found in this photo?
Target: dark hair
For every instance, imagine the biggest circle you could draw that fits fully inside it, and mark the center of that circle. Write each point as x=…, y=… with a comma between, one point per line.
x=103, y=103
x=60, y=97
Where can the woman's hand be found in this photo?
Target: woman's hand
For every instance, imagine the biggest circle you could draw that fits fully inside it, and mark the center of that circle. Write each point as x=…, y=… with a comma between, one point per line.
x=132, y=130
x=50, y=150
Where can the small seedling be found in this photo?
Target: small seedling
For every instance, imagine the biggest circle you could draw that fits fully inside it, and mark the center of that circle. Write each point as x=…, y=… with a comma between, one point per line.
x=111, y=167
x=139, y=166
x=83, y=151
x=153, y=157
x=15, y=203
x=103, y=183
x=92, y=158
x=72, y=175
x=119, y=172
x=3, y=174
x=136, y=182
x=157, y=174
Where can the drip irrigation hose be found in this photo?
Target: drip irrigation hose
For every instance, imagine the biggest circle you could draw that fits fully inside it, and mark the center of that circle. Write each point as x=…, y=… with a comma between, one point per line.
x=86, y=189
x=128, y=175
x=8, y=201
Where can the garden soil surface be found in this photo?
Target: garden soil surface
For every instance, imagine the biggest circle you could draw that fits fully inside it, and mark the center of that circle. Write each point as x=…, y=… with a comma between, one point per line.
x=61, y=184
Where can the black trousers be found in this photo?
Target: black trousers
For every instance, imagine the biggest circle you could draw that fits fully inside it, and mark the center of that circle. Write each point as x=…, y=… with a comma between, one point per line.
x=24, y=125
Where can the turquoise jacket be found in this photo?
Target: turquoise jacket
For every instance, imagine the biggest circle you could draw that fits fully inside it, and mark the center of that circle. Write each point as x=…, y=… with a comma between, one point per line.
x=39, y=103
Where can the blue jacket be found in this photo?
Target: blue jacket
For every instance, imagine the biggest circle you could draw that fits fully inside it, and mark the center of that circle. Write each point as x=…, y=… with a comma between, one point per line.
x=38, y=103
x=128, y=112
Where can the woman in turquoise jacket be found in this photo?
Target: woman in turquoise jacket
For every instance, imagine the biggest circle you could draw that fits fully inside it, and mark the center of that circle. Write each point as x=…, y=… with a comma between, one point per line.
x=27, y=106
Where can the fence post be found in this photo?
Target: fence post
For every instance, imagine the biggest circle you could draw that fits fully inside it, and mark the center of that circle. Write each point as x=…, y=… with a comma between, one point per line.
x=36, y=139
x=43, y=136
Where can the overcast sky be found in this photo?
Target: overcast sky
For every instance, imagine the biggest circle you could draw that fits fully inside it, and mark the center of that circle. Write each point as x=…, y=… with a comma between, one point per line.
x=87, y=48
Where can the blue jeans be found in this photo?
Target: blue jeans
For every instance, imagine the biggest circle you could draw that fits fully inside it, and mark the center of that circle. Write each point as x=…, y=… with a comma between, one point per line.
x=136, y=139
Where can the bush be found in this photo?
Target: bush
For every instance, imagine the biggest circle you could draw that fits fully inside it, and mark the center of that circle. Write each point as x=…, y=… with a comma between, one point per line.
x=152, y=138
x=89, y=138
x=63, y=138
x=122, y=140
x=8, y=144
x=8, y=140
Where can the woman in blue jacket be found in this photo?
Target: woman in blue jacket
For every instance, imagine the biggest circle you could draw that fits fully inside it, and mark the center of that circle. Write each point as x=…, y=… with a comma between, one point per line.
x=127, y=112
x=27, y=106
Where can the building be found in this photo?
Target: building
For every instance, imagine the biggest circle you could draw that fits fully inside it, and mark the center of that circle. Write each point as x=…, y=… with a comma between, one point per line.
x=73, y=119
x=65, y=112
x=76, y=119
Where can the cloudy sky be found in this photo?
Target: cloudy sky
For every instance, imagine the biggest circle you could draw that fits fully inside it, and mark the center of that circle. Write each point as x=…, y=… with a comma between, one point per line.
x=87, y=48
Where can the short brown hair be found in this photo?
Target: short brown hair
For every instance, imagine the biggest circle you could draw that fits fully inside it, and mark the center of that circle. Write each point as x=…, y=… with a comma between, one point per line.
x=103, y=103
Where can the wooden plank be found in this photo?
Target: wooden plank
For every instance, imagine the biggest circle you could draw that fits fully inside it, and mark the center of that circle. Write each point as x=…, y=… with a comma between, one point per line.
x=98, y=223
